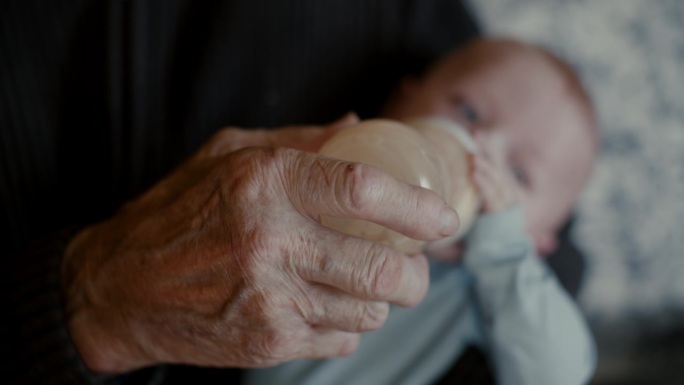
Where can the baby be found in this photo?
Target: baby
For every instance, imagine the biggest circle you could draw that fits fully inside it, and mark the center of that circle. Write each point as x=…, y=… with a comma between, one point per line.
x=537, y=136
x=535, y=102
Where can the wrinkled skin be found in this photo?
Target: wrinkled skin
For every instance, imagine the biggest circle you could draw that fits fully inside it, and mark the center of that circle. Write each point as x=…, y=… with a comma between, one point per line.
x=225, y=263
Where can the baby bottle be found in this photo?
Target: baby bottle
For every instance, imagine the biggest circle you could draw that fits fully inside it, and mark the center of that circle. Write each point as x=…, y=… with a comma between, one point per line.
x=427, y=152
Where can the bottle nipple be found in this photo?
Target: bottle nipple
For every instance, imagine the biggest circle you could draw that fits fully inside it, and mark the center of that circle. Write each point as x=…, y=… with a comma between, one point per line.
x=456, y=147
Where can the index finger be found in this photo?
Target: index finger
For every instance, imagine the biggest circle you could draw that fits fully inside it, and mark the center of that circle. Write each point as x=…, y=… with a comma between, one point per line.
x=326, y=186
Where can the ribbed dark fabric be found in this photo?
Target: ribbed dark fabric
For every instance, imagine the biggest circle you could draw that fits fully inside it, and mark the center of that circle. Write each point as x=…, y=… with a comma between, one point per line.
x=42, y=350
x=100, y=98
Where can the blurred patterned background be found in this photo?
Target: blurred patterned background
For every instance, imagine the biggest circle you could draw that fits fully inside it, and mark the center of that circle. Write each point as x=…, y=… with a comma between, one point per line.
x=630, y=54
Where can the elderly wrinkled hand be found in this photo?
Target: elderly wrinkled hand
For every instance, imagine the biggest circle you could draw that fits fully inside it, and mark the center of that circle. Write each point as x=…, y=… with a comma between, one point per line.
x=225, y=262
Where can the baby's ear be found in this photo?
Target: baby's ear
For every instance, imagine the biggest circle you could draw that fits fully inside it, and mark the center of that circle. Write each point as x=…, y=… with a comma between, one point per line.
x=545, y=244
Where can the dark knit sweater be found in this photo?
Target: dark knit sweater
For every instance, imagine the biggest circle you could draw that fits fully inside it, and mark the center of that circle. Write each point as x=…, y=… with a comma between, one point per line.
x=100, y=98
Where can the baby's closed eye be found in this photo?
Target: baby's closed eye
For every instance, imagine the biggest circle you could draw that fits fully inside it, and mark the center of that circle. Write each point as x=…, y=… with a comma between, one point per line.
x=468, y=112
x=520, y=175
x=465, y=111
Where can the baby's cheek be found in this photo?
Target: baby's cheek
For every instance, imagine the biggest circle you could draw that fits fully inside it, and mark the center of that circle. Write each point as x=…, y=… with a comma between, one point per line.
x=536, y=216
x=542, y=222
x=527, y=206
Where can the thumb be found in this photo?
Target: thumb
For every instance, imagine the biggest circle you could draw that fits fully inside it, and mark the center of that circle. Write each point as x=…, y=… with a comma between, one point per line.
x=319, y=137
x=308, y=138
x=348, y=119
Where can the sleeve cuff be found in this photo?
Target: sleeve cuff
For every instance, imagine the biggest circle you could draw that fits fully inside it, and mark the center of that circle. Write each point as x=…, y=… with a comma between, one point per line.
x=40, y=349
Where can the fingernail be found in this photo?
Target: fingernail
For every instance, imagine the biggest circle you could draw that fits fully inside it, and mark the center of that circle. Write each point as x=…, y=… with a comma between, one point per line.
x=449, y=221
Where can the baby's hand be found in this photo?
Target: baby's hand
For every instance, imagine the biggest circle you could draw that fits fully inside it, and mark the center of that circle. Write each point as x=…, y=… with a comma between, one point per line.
x=491, y=174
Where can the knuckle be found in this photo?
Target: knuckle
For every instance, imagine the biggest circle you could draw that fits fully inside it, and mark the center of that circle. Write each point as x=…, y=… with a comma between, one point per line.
x=383, y=274
x=251, y=249
x=280, y=345
x=240, y=183
x=276, y=346
x=276, y=155
x=301, y=253
x=223, y=142
x=248, y=172
x=304, y=303
x=357, y=186
x=258, y=242
x=372, y=316
x=266, y=335
x=254, y=308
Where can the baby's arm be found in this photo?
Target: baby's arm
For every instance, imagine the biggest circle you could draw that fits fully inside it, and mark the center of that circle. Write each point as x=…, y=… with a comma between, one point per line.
x=535, y=333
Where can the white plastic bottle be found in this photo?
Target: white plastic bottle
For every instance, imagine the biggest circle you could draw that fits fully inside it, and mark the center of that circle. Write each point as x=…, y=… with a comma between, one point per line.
x=428, y=152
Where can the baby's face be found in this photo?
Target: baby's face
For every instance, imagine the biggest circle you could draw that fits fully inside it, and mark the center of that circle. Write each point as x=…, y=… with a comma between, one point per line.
x=549, y=146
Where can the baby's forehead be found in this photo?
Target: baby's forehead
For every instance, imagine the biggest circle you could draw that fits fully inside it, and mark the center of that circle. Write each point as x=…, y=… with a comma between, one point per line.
x=484, y=57
x=519, y=73
x=521, y=82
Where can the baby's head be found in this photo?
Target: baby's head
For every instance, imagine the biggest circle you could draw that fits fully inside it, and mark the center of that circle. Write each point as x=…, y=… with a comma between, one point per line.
x=535, y=101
